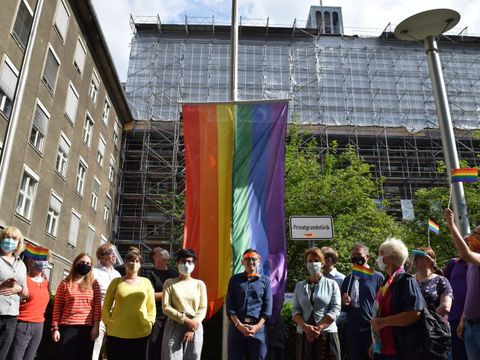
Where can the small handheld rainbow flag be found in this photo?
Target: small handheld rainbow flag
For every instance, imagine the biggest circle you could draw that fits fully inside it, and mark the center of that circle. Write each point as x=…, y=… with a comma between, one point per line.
x=465, y=175
x=36, y=252
x=362, y=271
x=433, y=226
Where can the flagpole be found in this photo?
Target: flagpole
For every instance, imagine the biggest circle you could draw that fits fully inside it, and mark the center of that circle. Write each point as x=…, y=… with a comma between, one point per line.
x=428, y=235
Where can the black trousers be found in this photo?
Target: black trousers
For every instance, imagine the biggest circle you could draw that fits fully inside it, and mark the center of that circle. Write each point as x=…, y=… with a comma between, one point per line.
x=124, y=349
x=155, y=340
x=8, y=325
x=75, y=343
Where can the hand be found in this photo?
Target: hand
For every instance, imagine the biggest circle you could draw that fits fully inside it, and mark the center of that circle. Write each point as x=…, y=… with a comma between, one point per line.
x=191, y=324
x=370, y=352
x=9, y=283
x=346, y=300
x=449, y=216
x=252, y=329
x=56, y=336
x=460, y=328
x=7, y=291
x=94, y=333
x=311, y=332
x=378, y=323
x=244, y=329
x=188, y=336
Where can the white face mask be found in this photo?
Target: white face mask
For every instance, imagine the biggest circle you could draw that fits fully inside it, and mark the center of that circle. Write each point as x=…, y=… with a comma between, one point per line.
x=186, y=269
x=381, y=265
x=314, y=267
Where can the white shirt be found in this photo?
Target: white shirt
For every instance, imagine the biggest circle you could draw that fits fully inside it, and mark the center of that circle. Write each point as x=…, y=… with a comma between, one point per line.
x=104, y=276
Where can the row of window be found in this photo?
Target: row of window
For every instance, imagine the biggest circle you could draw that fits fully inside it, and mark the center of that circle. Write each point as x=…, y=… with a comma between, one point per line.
x=27, y=193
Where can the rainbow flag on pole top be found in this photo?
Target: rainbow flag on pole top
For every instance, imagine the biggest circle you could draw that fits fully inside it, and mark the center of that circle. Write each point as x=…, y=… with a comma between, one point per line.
x=36, y=252
x=235, y=168
x=433, y=226
x=362, y=271
x=465, y=175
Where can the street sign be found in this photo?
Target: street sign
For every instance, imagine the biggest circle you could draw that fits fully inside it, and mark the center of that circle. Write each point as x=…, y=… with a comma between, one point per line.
x=311, y=227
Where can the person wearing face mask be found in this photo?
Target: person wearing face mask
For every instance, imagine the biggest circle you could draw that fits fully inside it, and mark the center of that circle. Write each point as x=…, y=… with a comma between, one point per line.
x=316, y=305
x=469, y=326
x=76, y=312
x=396, y=331
x=13, y=285
x=184, y=303
x=29, y=330
x=249, y=305
x=358, y=295
x=129, y=312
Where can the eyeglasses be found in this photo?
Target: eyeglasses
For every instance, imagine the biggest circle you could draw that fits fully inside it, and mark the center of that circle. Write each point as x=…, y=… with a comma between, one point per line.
x=187, y=261
x=251, y=259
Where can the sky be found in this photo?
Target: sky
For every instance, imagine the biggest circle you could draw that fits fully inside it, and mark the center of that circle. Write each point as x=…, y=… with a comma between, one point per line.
x=360, y=17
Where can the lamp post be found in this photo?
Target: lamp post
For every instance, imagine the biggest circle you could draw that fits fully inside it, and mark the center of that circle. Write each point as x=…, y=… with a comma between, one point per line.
x=424, y=27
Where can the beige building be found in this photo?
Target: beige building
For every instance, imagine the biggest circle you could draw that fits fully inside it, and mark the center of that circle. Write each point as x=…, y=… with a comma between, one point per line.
x=62, y=111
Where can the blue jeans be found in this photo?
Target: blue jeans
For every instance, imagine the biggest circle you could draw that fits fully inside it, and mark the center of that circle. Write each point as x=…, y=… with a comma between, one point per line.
x=255, y=347
x=472, y=340
x=457, y=351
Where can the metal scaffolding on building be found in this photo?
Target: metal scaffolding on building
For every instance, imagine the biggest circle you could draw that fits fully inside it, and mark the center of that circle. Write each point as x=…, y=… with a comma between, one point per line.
x=373, y=93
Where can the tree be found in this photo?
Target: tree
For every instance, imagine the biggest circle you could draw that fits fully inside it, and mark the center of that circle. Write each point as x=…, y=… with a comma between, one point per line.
x=338, y=184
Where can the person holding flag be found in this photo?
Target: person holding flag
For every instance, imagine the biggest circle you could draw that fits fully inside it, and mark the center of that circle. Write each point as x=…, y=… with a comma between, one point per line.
x=358, y=294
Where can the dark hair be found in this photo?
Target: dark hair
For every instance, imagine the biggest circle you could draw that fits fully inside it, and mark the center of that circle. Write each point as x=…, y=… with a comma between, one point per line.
x=249, y=251
x=329, y=252
x=133, y=253
x=185, y=253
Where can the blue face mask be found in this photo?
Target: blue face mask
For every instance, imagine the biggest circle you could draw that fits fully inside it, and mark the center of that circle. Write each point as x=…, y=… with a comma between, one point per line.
x=8, y=245
x=40, y=265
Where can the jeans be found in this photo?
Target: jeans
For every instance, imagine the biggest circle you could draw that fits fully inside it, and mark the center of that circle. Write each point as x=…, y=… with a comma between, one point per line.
x=7, y=331
x=173, y=346
x=255, y=347
x=472, y=340
x=457, y=351
x=28, y=336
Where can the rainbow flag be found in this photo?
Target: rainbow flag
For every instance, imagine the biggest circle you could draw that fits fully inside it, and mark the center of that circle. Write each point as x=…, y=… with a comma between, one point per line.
x=36, y=252
x=362, y=271
x=235, y=164
x=433, y=226
x=465, y=175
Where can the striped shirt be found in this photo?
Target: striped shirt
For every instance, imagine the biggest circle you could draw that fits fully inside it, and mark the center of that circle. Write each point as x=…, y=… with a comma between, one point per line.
x=73, y=306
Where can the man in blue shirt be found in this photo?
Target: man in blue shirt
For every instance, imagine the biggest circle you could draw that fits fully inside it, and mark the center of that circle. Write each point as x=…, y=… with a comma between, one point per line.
x=249, y=305
x=358, y=295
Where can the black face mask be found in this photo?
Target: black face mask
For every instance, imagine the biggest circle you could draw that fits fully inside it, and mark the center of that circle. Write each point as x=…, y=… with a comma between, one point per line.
x=358, y=260
x=83, y=269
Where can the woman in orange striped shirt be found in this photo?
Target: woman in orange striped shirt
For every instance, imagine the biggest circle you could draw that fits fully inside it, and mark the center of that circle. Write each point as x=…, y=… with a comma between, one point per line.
x=76, y=312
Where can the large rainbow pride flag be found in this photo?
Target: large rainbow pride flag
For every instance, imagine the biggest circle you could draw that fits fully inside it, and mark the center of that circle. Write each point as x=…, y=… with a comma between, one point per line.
x=235, y=165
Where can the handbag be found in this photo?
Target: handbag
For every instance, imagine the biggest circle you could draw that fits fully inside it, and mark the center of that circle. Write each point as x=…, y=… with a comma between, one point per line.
x=437, y=335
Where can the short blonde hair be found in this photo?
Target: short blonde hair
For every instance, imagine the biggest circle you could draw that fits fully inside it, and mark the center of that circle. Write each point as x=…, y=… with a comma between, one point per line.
x=396, y=249
x=315, y=251
x=13, y=231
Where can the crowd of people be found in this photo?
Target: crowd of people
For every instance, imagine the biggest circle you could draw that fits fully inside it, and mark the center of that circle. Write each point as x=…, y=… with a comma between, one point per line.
x=157, y=313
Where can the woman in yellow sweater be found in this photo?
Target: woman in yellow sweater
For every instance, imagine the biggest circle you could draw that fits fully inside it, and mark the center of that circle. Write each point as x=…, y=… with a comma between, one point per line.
x=129, y=322
x=185, y=304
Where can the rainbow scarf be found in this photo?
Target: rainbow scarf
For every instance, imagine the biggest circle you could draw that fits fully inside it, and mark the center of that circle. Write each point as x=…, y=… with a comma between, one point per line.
x=377, y=307
x=36, y=252
x=235, y=165
x=465, y=175
x=362, y=271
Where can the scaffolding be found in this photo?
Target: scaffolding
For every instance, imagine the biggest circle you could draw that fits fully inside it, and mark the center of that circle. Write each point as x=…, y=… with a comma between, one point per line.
x=372, y=93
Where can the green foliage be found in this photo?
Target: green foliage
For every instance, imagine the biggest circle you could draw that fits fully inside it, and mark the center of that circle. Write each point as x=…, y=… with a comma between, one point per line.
x=338, y=184
x=430, y=204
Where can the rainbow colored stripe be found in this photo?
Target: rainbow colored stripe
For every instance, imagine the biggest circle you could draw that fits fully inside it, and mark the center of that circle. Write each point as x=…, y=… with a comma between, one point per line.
x=235, y=164
x=465, y=175
x=362, y=271
x=433, y=226
x=36, y=252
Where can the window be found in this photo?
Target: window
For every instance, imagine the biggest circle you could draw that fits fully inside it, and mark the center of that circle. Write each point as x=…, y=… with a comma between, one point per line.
x=8, y=83
x=101, y=150
x=62, y=155
x=74, y=227
x=53, y=214
x=71, y=103
x=79, y=57
x=23, y=24
x=50, y=71
x=111, y=168
x=106, y=112
x=26, y=193
x=116, y=132
x=95, y=192
x=81, y=174
x=90, y=239
x=106, y=208
x=103, y=239
x=87, y=130
x=94, y=84
x=61, y=20
x=39, y=127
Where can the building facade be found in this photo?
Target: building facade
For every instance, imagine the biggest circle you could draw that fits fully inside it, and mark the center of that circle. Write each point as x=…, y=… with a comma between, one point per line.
x=62, y=112
x=372, y=93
